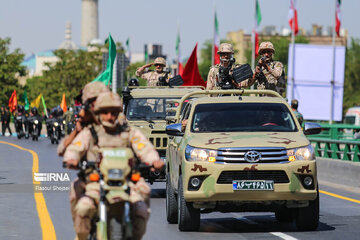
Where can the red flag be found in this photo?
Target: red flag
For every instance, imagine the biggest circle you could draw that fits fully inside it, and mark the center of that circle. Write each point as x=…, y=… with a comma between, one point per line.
x=13, y=102
x=63, y=103
x=216, y=42
x=191, y=75
x=293, y=22
x=338, y=17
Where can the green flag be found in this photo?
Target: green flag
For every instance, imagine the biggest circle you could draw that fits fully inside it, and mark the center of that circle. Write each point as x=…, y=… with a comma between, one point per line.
x=106, y=75
x=26, y=101
x=44, y=105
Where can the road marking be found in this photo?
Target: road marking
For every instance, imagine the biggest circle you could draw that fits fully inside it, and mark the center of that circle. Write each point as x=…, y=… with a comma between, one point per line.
x=339, y=196
x=283, y=236
x=47, y=227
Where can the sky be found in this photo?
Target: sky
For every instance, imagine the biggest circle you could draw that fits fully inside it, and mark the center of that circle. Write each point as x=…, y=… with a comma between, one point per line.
x=39, y=25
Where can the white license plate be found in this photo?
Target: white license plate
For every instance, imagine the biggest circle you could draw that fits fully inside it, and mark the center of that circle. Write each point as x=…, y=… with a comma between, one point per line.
x=253, y=185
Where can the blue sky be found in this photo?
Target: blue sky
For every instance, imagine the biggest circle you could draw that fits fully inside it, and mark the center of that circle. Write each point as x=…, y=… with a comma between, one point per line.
x=39, y=25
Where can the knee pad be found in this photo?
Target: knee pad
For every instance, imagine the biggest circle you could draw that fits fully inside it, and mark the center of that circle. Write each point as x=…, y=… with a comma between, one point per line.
x=85, y=207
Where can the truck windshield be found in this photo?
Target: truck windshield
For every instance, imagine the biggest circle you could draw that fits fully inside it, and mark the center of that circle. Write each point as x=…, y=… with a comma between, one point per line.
x=242, y=117
x=349, y=120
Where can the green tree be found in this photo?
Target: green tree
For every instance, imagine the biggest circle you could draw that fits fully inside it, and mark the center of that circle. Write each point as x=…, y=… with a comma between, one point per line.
x=130, y=73
x=10, y=70
x=352, y=75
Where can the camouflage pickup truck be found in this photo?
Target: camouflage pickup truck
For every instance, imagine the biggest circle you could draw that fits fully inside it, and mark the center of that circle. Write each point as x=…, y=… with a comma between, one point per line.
x=245, y=152
x=145, y=108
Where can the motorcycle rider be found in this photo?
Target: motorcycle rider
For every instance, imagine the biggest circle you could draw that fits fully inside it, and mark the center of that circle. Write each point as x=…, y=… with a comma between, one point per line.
x=20, y=121
x=110, y=133
x=34, y=115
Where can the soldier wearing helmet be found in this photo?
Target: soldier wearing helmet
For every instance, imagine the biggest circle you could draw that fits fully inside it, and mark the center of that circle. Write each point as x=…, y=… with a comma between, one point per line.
x=294, y=107
x=151, y=76
x=269, y=73
x=226, y=57
x=108, y=134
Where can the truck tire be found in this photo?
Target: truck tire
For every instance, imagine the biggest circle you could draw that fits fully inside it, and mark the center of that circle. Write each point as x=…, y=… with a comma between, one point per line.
x=188, y=216
x=171, y=202
x=307, y=218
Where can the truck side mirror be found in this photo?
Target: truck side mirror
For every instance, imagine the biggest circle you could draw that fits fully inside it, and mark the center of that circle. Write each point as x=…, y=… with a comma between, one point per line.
x=312, y=128
x=174, y=130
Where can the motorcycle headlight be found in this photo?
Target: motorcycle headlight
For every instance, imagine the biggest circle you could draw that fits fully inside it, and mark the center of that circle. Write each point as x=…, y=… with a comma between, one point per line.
x=200, y=154
x=303, y=153
x=36, y=121
x=56, y=124
x=64, y=122
x=115, y=173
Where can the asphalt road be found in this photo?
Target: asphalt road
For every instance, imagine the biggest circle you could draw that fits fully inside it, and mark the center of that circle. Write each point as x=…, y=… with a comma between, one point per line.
x=23, y=214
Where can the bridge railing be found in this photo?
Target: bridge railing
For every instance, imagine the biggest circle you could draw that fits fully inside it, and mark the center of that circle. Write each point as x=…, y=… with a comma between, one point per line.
x=337, y=132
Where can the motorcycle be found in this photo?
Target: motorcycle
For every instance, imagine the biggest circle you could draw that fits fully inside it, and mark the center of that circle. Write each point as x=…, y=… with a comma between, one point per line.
x=21, y=126
x=113, y=173
x=34, y=125
x=54, y=130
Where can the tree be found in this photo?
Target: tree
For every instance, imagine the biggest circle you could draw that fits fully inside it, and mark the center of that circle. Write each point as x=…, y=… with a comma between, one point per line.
x=130, y=72
x=10, y=69
x=352, y=75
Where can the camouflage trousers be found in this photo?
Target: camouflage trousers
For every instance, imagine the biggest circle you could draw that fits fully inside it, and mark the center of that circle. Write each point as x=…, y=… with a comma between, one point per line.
x=83, y=199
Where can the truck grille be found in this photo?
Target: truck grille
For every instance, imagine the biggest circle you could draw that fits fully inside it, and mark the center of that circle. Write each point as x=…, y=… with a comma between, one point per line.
x=237, y=155
x=226, y=177
x=159, y=142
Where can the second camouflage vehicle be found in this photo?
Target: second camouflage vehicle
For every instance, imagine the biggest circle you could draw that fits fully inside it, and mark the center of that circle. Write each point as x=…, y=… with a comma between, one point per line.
x=145, y=108
x=240, y=154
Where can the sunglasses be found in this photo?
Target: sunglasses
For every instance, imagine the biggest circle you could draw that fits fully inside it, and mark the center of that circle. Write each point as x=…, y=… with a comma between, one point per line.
x=156, y=65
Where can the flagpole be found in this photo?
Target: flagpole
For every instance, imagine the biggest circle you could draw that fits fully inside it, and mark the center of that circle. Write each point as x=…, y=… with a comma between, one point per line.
x=332, y=82
x=213, y=43
x=253, y=44
x=293, y=55
x=114, y=73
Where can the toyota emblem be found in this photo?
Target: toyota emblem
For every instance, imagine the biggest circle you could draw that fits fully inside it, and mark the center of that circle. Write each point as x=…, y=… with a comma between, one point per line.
x=252, y=156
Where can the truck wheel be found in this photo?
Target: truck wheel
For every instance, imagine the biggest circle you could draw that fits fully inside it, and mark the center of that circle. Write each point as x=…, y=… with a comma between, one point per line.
x=188, y=216
x=284, y=214
x=171, y=202
x=308, y=217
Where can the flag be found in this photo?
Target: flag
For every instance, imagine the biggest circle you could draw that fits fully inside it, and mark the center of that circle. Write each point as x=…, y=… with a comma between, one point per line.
x=63, y=103
x=26, y=100
x=128, y=49
x=338, y=17
x=191, y=75
x=216, y=42
x=44, y=105
x=146, y=55
x=106, y=75
x=257, y=24
x=178, y=53
x=293, y=22
x=36, y=102
x=13, y=102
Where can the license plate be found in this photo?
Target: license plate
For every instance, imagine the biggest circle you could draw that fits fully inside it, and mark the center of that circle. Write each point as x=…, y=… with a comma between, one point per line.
x=253, y=185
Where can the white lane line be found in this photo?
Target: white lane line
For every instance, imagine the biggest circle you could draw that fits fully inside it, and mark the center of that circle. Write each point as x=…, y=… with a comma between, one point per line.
x=283, y=236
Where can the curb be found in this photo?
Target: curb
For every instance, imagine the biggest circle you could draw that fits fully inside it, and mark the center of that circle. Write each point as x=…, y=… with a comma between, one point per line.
x=341, y=172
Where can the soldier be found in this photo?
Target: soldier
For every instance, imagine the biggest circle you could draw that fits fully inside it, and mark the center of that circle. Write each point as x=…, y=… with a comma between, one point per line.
x=294, y=107
x=152, y=77
x=214, y=79
x=89, y=95
x=269, y=73
x=109, y=133
x=5, y=120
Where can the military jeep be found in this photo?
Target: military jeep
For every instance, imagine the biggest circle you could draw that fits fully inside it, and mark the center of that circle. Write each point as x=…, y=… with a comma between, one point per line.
x=240, y=153
x=145, y=108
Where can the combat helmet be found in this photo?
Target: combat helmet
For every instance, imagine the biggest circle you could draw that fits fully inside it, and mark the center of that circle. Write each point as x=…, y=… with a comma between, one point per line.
x=108, y=100
x=133, y=82
x=225, y=48
x=266, y=46
x=92, y=90
x=160, y=60
x=34, y=111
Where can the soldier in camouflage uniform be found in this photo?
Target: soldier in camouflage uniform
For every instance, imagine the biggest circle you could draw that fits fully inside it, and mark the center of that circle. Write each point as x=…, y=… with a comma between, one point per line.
x=152, y=77
x=226, y=53
x=268, y=71
x=294, y=107
x=111, y=134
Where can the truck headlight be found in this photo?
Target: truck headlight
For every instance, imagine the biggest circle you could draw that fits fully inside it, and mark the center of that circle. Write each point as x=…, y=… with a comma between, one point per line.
x=115, y=173
x=200, y=154
x=303, y=153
